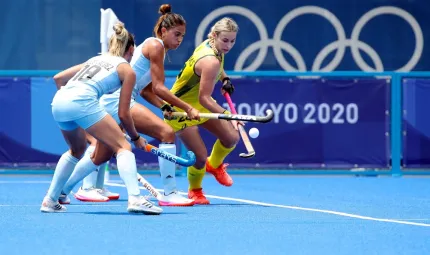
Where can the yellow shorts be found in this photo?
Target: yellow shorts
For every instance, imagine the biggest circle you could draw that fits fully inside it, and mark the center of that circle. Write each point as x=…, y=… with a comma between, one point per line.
x=182, y=122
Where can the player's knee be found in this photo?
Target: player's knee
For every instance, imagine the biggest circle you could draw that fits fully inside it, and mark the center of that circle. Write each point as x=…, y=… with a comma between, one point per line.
x=125, y=146
x=200, y=160
x=100, y=158
x=235, y=138
x=231, y=140
x=78, y=151
x=90, y=140
x=99, y=161
x=167, y=135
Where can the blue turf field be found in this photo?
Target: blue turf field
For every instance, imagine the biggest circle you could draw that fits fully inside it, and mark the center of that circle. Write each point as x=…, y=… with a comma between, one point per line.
x=257, y=215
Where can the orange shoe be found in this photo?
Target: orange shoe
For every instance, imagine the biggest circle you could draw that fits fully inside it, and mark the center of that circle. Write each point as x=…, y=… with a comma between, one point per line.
x=198, y=196
x=220, y=174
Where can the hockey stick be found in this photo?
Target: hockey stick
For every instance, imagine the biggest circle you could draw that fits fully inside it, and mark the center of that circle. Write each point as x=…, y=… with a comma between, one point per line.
x=234, y=116
x=189, y=161
x=248, y=145
x=149, y=187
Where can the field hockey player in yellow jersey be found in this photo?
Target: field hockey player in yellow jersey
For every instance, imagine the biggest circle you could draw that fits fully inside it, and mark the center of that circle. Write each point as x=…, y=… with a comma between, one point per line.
x=195, y=85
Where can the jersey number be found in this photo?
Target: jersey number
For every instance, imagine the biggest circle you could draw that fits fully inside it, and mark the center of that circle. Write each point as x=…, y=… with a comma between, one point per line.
x=87, y=73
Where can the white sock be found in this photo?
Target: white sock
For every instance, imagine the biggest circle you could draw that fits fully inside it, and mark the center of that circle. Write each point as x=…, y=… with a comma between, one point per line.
x=63, y=170
x=84, y=167
x=100, y=179
x=126, y=163
x=167, y=169
x=90, y=181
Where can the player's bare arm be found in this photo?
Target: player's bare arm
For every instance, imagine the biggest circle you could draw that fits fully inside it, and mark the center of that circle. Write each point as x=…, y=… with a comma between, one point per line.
x=63, y=77
x=208, y=67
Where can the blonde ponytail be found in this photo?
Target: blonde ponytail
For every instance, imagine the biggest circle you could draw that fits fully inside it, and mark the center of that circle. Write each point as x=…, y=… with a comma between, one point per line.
x=119, y=40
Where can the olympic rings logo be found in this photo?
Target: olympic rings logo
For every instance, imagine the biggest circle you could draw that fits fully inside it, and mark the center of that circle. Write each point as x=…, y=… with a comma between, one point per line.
x=339, y=45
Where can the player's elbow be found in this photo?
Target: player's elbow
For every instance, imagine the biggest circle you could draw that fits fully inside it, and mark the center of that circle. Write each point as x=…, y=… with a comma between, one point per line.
x=204, y=100
x=158, y=89
x=123, y=115
x=58, y=80
x=122, y=118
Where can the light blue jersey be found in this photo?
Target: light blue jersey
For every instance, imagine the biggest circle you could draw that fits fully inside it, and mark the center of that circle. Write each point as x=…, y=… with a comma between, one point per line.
x=79, y=98
x=141, y=65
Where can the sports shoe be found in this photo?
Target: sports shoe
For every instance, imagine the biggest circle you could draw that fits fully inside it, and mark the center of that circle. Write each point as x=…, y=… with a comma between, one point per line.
x=174, y=199
x=90, y=195
x=64, y=199
x=139, y=204
x=198, y=196
x=51, y=206
x=111, y=195
x=220, y=174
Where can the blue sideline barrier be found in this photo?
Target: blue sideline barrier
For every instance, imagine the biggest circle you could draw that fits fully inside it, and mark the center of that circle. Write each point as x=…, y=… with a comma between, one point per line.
x=395, y=117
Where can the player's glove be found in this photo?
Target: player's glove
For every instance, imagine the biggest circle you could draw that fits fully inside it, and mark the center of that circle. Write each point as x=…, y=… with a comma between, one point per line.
x=167, y=111
x=227, y=86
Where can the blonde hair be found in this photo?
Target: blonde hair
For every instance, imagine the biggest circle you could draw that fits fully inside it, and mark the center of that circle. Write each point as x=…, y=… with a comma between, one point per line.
x=120, y=41
x=223, y=25
x=168, y=19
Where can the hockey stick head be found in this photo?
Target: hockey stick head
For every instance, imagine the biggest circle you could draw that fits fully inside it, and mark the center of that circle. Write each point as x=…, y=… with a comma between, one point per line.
x=250, y=118
x=247, y=155
x=269, y=116
x=191, y=158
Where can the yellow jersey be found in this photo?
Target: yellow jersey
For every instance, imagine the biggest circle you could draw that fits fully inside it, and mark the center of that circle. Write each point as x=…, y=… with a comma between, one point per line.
x=187, y=86
x=187, y=83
